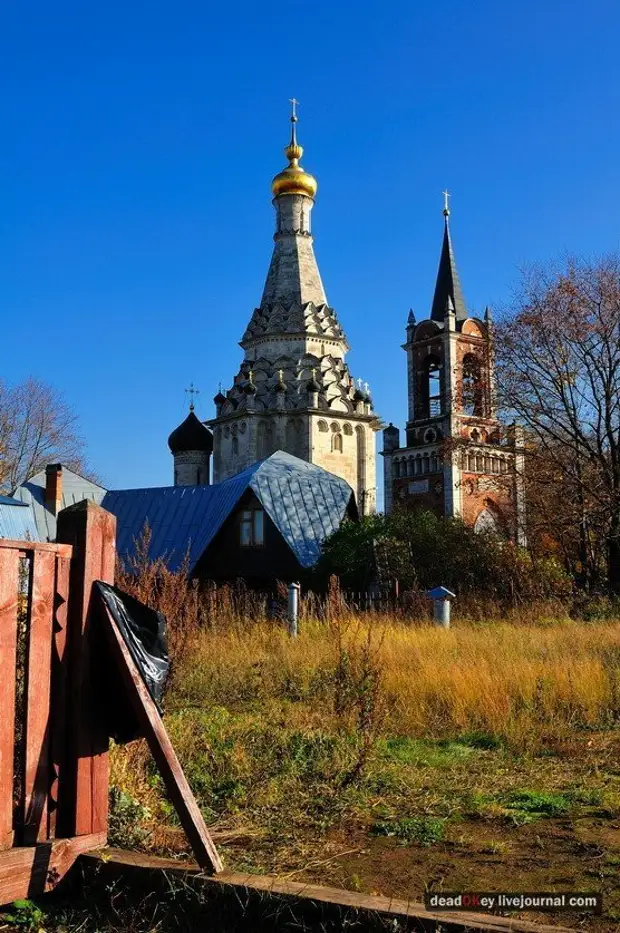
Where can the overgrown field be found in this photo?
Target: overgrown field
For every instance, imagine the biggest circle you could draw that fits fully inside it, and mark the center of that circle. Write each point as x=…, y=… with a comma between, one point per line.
x=390, y=758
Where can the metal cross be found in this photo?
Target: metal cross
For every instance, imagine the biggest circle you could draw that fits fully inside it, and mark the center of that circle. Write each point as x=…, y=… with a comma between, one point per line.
x=446, y=206
x=192, y=392
x=294, y=102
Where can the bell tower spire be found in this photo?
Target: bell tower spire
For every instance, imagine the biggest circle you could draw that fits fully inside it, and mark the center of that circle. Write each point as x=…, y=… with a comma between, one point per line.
x=448, y=286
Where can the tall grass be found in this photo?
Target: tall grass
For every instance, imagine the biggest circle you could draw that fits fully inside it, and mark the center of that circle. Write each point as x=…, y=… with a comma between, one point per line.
x=525, y=684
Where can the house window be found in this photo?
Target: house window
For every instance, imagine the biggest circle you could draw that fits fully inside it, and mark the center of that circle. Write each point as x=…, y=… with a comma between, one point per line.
x=252, y=528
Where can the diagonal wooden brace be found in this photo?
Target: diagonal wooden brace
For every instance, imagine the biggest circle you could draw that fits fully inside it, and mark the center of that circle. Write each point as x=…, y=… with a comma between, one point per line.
x=161, y=748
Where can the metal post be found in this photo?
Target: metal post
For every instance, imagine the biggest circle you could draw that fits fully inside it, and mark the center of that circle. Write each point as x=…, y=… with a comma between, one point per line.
x=442, y=612
x=293, y=608
x=441, y=605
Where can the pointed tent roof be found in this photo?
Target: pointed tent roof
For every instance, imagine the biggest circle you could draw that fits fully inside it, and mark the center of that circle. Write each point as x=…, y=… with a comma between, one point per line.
x=448, y=287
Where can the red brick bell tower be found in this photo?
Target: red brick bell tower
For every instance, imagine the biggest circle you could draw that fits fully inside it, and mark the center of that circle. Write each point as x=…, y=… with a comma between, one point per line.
x=458, y=458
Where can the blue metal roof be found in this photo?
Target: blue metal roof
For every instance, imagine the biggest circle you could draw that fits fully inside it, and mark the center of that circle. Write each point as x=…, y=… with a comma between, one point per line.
x=305, y=502
x=16, y=520
x=183, y=519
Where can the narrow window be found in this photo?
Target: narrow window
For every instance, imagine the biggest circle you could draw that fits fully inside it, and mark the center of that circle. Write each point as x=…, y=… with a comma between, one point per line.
x=433, y=387
x=252, y=528
x=337, y=443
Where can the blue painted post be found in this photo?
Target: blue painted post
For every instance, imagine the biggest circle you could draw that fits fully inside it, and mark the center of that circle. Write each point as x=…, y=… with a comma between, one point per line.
x=293, y=608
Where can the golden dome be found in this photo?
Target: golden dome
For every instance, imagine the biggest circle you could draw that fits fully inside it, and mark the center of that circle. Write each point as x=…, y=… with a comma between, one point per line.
x=293, y=179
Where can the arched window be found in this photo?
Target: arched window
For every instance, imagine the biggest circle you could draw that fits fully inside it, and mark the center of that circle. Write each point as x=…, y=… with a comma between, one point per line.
x=410, y=466
x=235, y=445
x=418, y=466
x=337, y=443
x=431, y=387
x=471, y=463
x=471, y=393
x=348, y=430
x=486, y=521
x=433, y=463
x=425, y=463
x=323, y=427
x=479, y=466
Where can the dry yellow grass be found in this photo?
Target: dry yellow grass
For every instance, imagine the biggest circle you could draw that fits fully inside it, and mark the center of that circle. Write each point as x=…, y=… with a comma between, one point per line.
x=523, y=683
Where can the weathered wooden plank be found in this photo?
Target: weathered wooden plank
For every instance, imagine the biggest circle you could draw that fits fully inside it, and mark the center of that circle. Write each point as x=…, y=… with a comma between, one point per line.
x=58, y=703
x=83, y=803
x=161, y=748
x=9, y=585
x=63, y=550
x=117, y=863
x=29, y=871
x=38, y=686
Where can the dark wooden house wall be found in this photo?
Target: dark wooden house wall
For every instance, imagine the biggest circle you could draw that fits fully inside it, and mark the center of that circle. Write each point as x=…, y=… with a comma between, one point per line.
x=225, y=559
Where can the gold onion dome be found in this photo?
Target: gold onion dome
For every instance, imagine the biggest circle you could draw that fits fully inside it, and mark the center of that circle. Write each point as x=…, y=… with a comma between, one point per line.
x=293, y=179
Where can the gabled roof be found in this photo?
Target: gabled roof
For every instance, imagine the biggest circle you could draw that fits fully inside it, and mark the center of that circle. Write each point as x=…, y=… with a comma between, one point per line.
x=305, y=503
x=448, y=286
x=16, y=520
x=74, y=489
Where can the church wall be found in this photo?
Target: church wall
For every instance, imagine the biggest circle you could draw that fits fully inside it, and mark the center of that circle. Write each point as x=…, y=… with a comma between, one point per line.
x=192, y=468
x=349, y=452
x=480, y=491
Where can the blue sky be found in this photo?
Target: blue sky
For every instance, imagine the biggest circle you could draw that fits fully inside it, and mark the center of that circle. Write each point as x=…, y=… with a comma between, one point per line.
x=138, y=141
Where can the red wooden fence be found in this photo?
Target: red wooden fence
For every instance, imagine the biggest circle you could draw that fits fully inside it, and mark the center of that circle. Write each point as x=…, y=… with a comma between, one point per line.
x=53, y=753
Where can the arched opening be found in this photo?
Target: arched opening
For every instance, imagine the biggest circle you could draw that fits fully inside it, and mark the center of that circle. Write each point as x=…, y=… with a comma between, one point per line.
x=234, y=446
x=431, y=387
x=471, y=392
x=487, y=521
x=337, y=443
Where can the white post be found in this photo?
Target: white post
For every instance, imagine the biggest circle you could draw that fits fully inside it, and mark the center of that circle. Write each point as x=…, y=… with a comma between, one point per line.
x=293, y=608
x=442, y=613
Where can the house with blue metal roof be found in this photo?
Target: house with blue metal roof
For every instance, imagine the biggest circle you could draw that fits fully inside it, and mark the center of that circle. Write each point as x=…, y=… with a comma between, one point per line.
x=268, y=522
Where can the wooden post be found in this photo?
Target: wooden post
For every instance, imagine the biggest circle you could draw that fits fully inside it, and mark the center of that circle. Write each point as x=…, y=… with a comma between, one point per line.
x=84, y=770
x=9, y=585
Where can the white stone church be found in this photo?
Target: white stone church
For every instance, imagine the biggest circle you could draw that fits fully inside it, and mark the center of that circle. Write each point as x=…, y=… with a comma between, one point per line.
x=293, y=391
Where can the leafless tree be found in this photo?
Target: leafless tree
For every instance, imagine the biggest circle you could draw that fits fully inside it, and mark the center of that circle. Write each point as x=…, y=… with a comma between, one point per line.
x=37, y=427
x=558, y=371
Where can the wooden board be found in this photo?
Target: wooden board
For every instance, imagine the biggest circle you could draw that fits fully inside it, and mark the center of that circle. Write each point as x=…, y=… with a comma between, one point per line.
x=36, y=759
x=114, y=863
x=59, y=688
x=26, y=547
x=33, y=870
x=84, y=776
x=9, y=584
x=161, y=748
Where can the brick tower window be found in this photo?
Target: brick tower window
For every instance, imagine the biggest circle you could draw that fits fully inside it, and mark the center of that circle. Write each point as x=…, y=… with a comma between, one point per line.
x=433, y=387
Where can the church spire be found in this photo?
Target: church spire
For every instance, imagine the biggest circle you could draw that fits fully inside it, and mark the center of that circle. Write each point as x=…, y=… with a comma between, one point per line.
x=293, y=277
x=448, y=286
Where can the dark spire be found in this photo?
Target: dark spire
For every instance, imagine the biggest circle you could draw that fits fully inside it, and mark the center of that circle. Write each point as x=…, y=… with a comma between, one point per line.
x=448, y=285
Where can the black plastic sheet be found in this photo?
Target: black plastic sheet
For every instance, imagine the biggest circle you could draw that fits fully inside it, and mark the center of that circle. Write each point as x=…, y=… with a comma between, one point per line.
x=144, y=632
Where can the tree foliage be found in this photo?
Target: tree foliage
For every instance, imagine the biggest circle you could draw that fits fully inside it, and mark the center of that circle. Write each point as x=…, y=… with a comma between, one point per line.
x=422, y=551
x=558, y=372
x=37, y=427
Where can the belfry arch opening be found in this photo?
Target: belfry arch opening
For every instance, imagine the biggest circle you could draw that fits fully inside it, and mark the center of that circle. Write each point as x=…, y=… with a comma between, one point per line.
x=432, y=387
x=472, y=400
